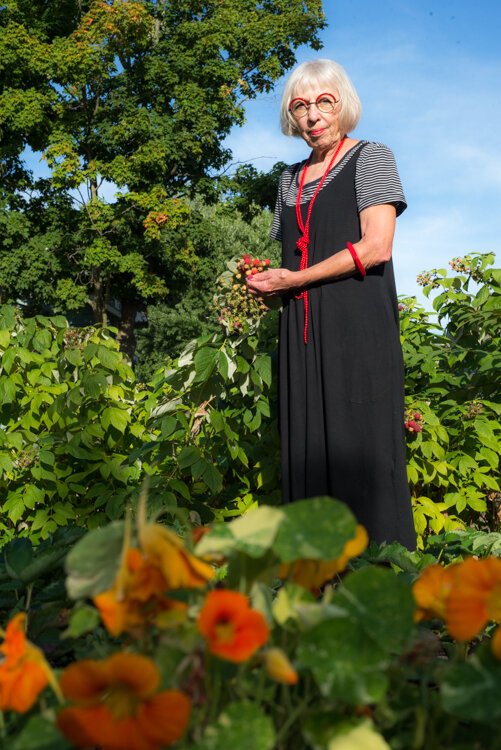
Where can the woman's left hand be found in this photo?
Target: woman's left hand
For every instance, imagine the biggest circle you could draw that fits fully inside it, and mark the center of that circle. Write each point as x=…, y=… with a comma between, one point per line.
x=271, y=283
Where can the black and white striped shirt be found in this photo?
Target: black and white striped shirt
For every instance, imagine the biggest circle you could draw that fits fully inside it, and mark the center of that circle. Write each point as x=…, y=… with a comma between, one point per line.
x=377, y=181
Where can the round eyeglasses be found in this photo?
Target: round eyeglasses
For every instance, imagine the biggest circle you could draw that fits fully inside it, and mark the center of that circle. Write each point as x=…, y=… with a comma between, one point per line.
x=325, y=103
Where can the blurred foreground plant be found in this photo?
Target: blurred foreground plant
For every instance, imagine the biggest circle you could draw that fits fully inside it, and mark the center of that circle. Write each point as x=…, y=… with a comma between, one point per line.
x=257, y=660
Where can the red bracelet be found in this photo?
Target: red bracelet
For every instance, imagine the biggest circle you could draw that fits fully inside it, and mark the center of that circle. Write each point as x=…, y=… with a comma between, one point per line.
x=356, y=259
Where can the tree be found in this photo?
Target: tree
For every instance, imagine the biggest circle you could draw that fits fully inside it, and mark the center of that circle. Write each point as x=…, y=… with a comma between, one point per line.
x=136, y=94
x=217, y=234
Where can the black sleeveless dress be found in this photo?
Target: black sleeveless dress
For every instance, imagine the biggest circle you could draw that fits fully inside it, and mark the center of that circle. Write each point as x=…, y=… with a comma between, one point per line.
x=342, y=394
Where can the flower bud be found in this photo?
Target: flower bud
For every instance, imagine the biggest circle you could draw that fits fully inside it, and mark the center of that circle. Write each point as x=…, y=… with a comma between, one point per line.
x=279, y=667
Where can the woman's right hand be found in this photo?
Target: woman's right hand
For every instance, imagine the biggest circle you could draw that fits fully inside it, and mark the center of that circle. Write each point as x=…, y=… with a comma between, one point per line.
x=272, y=283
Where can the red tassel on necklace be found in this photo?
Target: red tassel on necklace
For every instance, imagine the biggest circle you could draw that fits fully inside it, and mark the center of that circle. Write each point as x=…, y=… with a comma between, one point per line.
x=304, y=241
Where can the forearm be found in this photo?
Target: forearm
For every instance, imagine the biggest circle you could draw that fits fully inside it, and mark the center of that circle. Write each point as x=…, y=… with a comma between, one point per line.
x=342, y=264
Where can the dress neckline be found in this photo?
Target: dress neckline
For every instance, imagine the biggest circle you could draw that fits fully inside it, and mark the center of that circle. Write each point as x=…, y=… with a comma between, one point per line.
x=340, y=164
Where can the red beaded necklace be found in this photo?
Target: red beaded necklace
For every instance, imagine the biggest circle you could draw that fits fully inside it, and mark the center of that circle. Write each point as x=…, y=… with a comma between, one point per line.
x=304, y=241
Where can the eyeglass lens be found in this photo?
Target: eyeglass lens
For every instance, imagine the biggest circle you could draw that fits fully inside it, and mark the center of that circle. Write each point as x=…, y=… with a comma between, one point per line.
x=325, y=103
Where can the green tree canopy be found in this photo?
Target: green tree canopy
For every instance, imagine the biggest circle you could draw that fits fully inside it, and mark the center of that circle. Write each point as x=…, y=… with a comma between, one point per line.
x=135, y=94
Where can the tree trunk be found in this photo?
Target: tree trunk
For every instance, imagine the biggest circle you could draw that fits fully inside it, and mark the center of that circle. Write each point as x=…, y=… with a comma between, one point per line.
x=127, y=328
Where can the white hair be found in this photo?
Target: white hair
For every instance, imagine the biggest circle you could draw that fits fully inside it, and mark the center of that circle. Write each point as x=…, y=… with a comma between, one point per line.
x=330, y=77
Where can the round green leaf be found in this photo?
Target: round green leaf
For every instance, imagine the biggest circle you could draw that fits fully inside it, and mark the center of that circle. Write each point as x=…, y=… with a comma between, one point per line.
x=315, y=529
x=374, y=596
x=241, y=725
x=346, y=663
x=93, y=562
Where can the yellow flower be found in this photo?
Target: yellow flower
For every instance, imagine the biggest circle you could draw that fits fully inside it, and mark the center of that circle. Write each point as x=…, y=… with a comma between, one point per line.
x=165, y=550
x=313, y=573
x=279, y=667
x=24, y=672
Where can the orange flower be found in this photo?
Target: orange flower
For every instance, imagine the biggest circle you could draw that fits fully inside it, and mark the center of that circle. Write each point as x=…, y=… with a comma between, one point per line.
x=279, y=667
x=233, y=630
x=431, y=591
x=313, y=573
x=24, y=672
x=165, y=550
x=137, y=598
x=118, y=707
x=475, y=598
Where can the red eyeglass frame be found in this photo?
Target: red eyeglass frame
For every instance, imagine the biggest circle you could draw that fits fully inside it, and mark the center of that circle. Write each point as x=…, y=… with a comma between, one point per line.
x=300, y=99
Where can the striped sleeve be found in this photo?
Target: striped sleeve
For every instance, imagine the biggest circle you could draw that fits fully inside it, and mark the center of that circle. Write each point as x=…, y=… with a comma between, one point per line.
x=286, y=179
x=377, y=180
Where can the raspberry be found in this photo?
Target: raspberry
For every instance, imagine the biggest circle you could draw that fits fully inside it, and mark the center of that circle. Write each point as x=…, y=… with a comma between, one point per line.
x=256, y=262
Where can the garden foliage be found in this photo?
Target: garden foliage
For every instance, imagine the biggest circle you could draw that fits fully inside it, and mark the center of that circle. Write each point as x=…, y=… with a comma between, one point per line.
x=80, y=434
x=231, y=642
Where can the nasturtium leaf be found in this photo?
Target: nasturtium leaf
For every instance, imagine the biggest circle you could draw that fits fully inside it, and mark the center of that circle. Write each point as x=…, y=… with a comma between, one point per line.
x=241, y=725
x=39, y=733
x=371, y=595
x=346, y=664
x=255, y=531
x=316, y=529
x=93, y=562
x=472, y=690
x=82, y=620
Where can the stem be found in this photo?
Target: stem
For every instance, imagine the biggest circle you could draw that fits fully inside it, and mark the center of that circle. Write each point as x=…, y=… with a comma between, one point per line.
x=293, y=716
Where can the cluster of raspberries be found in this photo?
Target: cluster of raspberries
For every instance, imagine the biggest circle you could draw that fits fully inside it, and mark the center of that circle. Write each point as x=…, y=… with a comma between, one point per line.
x=236, y=306
x=414, y=423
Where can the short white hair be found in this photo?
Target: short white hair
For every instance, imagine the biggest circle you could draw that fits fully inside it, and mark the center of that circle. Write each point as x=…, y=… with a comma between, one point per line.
x=328, y=76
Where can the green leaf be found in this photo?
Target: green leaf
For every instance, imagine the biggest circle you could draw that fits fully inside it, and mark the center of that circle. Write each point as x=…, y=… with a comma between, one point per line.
x=39, y=733
x=187, y=457
x=93, y=562
x=7, y=391
x=213, y=478
x=82, y=620
x=315, y=529
x=252, y=534
x=118, y=418
x=472, y=690
x=18, y=554
x=241, y=725
x=346, y=664
x=368, y=595
x=205, y=362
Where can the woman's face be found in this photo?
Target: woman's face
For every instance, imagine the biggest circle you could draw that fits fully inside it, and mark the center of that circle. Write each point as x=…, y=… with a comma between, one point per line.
x=320, y=130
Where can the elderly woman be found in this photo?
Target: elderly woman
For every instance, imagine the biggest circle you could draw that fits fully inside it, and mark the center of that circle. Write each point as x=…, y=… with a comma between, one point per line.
x=341, y=370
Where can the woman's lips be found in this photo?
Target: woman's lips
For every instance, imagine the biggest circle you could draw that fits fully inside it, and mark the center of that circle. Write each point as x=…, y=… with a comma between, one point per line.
x=319, y=131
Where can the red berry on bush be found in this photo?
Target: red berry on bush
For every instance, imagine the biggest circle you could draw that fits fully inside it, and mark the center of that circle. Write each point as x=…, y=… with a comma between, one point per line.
x=417, y=416
x=247, y=259
x=256, y=262
x=266, y=261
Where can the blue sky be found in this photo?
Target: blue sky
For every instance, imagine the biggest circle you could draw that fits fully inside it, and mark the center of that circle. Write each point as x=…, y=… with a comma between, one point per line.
x=428, y=73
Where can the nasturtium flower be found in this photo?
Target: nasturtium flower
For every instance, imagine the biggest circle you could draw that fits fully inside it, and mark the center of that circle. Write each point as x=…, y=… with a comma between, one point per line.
x=232, y=629
x=278, y=666
x=475, y=598
x=312, y=574
x=24, y=671
x=166, y=550
x=431, y=591
x=117, y=706
x=137, y=598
